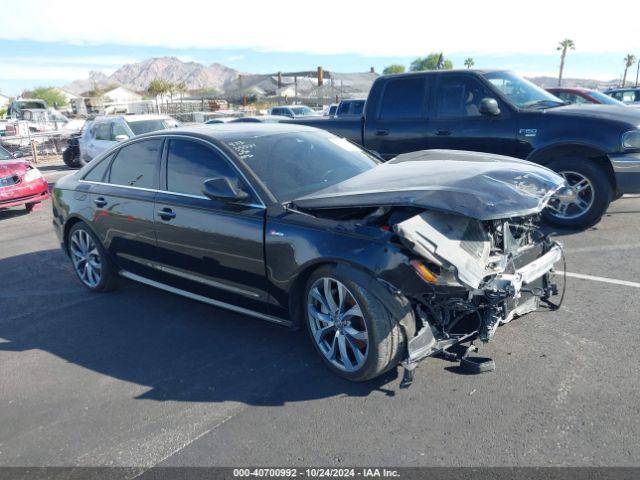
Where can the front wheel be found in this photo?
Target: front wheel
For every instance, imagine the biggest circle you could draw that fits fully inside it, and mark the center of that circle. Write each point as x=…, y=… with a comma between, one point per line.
x=356, y=335
x=591, y=194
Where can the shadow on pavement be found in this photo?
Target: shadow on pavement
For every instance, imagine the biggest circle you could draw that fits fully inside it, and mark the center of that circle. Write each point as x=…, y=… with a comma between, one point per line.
x=181, y=349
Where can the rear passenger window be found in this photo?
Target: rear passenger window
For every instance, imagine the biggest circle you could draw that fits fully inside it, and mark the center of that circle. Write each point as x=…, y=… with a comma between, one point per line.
x=357, y=108
x=96, y=174
x=190, y=163
x=403, y=98
x=136, y=165
x=103, y=131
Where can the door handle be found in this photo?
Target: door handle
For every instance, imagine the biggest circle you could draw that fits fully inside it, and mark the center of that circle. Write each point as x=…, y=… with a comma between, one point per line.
x=100, y=202
x=443, y=133
x=382, y=133
x=166, y=214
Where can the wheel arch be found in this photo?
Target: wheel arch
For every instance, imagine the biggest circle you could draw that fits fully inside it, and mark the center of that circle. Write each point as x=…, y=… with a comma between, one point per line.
x=555, y=152
x=68, y=225
x=296, y=300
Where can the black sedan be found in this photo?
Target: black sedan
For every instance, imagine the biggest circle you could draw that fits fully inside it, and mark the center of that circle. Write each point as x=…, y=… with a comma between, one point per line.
x=383, y=263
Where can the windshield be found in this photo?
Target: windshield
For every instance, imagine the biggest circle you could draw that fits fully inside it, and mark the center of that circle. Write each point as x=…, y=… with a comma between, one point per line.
x=606, y=99
x=294, y=164
x=4, y=155
x=522, y=93
x=138, y=127
x=302, y=111
x=31, y=104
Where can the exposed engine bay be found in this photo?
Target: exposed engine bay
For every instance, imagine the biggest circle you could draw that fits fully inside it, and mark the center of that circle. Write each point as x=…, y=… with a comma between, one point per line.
x=480, y=274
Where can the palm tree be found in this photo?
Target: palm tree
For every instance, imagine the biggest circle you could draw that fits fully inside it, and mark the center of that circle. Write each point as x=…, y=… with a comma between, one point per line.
x=629, y=60
x=469, y=62
x=157, y=87
x=181, y=88
x=563, y=46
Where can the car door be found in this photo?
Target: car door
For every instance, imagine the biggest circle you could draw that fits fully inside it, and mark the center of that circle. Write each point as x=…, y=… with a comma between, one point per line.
x=209, y=247
x=100, y=140
x=457, y=123
x=122, y=200
x=399, y=123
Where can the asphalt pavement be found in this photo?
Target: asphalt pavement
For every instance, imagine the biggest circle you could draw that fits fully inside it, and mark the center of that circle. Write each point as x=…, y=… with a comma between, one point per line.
x=140, y=377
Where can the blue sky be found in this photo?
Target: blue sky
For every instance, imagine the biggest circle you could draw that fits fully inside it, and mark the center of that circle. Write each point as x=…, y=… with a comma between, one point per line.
x=26, y=64
x=62, y=41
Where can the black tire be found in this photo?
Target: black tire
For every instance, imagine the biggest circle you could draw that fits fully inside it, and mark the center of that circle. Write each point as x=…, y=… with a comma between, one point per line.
x=30, y=206
x=108, y=275
x=71, y=158
x=382, y=312
x=602, y=192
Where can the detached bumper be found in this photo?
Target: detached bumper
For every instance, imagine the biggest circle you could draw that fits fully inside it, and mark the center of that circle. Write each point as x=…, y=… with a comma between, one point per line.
x=626, y=167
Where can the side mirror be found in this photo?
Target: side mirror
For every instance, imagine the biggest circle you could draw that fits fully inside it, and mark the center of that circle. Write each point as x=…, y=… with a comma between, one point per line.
x=122, y=138
x=18, y=154
x=223, y=189
x=489, y=106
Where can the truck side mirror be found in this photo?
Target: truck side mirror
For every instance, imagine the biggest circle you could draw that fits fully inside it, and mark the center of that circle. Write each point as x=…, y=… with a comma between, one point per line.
x=489, y=106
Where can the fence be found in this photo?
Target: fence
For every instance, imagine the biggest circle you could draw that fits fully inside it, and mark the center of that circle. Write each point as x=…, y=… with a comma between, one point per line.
x=38, y=147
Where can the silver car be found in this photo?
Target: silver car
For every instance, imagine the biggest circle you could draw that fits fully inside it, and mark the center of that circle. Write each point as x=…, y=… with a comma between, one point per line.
x=102, y=133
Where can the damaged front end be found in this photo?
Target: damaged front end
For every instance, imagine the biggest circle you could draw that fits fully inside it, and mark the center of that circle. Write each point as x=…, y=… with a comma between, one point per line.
x=478, y=275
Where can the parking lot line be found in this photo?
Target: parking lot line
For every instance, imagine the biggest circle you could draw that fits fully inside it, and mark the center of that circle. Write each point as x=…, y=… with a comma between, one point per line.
x=601, y=279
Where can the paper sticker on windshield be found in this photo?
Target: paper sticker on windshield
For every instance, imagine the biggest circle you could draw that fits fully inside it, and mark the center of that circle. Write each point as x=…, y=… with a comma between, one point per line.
x=345, y=144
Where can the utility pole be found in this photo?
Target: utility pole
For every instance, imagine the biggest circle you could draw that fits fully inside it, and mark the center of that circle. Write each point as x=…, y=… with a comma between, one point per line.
x=637, y=71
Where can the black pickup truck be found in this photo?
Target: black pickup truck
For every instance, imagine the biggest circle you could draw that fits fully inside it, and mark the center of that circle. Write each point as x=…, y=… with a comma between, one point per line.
x=595, y=147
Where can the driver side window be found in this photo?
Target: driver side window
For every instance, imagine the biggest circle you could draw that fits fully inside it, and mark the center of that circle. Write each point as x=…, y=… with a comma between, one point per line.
x=118, y=129
x=190, y=163
x=459, y=97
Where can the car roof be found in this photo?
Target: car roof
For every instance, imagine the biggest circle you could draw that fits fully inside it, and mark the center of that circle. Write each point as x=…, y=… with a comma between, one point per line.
x=571, y=89
x=623, y=89
x=230, y=132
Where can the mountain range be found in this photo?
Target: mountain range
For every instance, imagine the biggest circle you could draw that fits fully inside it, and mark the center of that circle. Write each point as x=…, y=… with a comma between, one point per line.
x=137, y=76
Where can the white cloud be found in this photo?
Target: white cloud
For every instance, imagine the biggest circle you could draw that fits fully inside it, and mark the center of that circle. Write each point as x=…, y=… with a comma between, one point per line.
x=402, y=27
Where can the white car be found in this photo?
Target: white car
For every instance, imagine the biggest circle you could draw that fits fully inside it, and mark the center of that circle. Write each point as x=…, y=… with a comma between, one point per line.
x=103, y=133
x=293, y=111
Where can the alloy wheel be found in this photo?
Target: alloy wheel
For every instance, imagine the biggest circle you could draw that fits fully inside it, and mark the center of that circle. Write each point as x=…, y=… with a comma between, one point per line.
x=337, y=324
x=86, y=258
x=579, y=203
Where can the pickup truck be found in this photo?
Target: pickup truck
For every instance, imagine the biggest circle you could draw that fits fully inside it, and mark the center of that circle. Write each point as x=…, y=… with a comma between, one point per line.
x=595, y=147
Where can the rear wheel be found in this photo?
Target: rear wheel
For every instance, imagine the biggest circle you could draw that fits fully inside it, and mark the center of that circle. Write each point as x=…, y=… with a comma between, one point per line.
x=590, y=197
x=71, y=158
x=90, y=260
x=356, y=336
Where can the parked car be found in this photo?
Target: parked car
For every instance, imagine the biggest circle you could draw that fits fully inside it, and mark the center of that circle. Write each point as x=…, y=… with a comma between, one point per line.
x=293, y=111
x=260, y=119
x=353, y=108
x=330, y=111
x=630, y=96
x=596, y=147
x=382, y=262
x=21, y=183
x=213, y=121
x=104, y=132
x=583, y=95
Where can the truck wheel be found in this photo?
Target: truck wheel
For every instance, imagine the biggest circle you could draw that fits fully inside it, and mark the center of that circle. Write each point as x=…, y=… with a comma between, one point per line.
x=592, y=194
x=356, y=336
x=71, y=158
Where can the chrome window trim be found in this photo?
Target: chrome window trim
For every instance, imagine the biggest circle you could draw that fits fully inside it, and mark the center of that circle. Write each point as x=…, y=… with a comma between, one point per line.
x=200, y=197
x=200, y=298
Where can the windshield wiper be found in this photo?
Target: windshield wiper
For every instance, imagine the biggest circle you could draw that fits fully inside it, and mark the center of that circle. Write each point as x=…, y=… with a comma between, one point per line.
x=545, y=104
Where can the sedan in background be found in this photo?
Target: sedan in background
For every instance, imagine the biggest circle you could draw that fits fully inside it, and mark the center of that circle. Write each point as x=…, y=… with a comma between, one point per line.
x=382, y=263
x=21, y=183
x=293, y=111
x=583, y=95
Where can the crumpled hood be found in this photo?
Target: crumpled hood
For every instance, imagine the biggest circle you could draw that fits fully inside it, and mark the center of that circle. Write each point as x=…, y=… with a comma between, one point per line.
x=477, y=185
x=13, y=167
